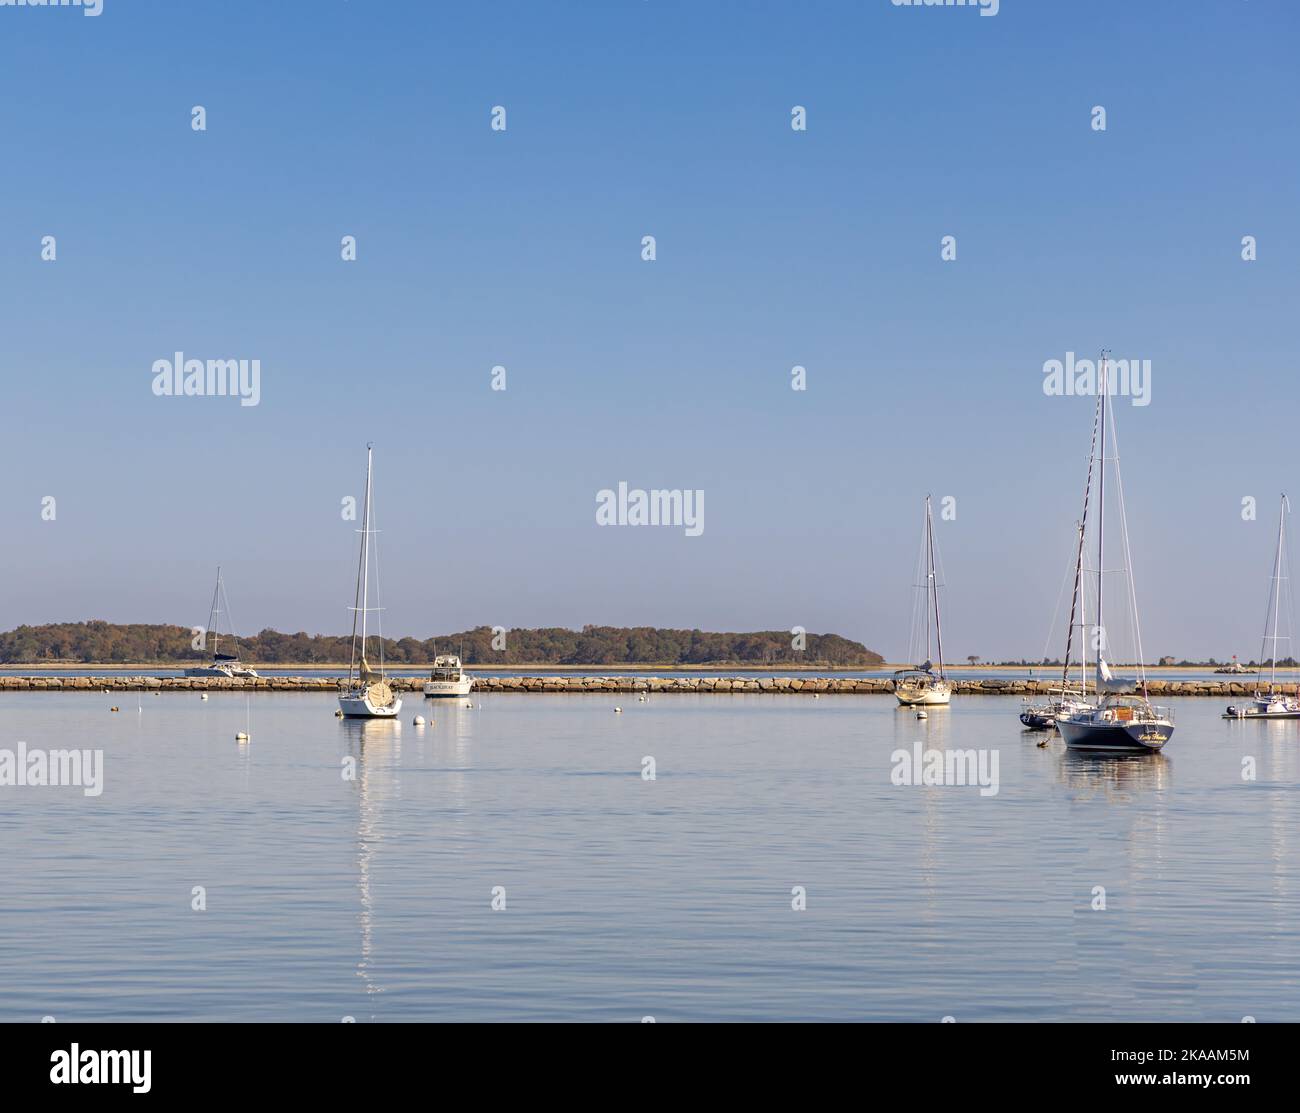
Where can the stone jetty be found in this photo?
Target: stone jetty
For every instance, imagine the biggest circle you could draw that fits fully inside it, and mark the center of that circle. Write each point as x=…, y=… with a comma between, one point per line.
x=805, y=685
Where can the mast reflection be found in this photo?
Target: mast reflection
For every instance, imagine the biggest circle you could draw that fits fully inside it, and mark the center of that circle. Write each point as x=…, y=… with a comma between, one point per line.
x=376, y=745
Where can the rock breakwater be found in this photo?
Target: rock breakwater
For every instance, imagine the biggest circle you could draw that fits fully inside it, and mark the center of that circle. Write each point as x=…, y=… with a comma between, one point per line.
x=649, y=684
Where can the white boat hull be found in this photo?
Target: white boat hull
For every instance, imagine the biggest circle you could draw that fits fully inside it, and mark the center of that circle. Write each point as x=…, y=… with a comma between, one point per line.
x=358, y=706
x=448, y=689
x=935, y=696
x=228, y=673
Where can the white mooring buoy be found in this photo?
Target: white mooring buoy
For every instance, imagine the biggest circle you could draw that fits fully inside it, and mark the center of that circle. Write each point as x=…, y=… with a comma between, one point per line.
x=418, y=721
x=241, y=737
x=922, y=715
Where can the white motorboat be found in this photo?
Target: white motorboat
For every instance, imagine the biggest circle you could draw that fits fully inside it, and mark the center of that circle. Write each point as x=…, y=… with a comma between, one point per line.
x=1060, y=704
x=367, y=694
x=448, y=679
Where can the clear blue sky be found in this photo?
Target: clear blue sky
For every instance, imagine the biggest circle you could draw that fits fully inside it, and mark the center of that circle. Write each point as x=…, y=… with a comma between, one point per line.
x=522, y=248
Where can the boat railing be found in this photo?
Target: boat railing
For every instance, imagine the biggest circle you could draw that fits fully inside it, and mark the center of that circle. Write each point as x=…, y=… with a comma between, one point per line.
x=1133, y=710
x=919, y=680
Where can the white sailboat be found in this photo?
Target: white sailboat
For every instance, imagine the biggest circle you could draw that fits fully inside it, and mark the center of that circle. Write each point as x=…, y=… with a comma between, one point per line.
x=221, y=664
x=920, y=685
x=1273, y=703
x=367, y=694
x=1123, y=718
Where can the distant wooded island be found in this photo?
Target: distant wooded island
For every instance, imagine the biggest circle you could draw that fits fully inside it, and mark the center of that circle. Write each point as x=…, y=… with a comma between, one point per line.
x=107, y=643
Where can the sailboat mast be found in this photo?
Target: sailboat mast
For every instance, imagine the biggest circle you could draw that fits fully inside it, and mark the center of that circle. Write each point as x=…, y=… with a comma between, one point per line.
x=925, y=546
x=1079, y=597
x=358, y=603
x=934, y=586
x=212, y=615
x=1101, y=521
x=1076, y=604
x=1083, y=623
x=1277, y=596
x=365, y=556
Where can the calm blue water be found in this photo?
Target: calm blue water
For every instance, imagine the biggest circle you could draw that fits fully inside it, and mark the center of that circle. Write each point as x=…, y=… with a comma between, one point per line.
x=626, y=898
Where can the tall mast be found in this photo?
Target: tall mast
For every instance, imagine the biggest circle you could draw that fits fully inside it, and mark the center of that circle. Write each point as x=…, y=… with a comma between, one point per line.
x=1076, y=602
x=1083, y=624
x=1078, y=598
x=360, y=601
x=928, y=577
x=365, y=556
x=1101, y=520
x=934, y=587
x=212, y=615
x=1277, y=596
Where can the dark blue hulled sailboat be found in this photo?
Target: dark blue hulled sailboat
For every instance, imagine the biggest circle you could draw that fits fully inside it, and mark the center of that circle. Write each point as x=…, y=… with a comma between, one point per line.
x=1123, y=720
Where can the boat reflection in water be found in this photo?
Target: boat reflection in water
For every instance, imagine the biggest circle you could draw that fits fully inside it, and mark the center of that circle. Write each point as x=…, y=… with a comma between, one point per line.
x=376, y=747
x=1092, y=773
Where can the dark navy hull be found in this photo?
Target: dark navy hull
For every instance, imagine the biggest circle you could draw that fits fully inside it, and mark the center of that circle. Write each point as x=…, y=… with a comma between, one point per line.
x=1115, y=737
x=1038, y=720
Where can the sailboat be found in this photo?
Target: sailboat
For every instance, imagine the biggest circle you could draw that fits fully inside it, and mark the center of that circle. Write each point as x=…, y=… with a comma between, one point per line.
x=221, y=664
x=920, y=685
x=367, y=694
x=1123, y=719
x=1067, y=699
x=1273, y=703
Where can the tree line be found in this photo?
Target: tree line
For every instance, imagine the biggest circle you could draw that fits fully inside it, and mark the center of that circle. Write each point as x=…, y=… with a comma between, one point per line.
x=100, y=642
